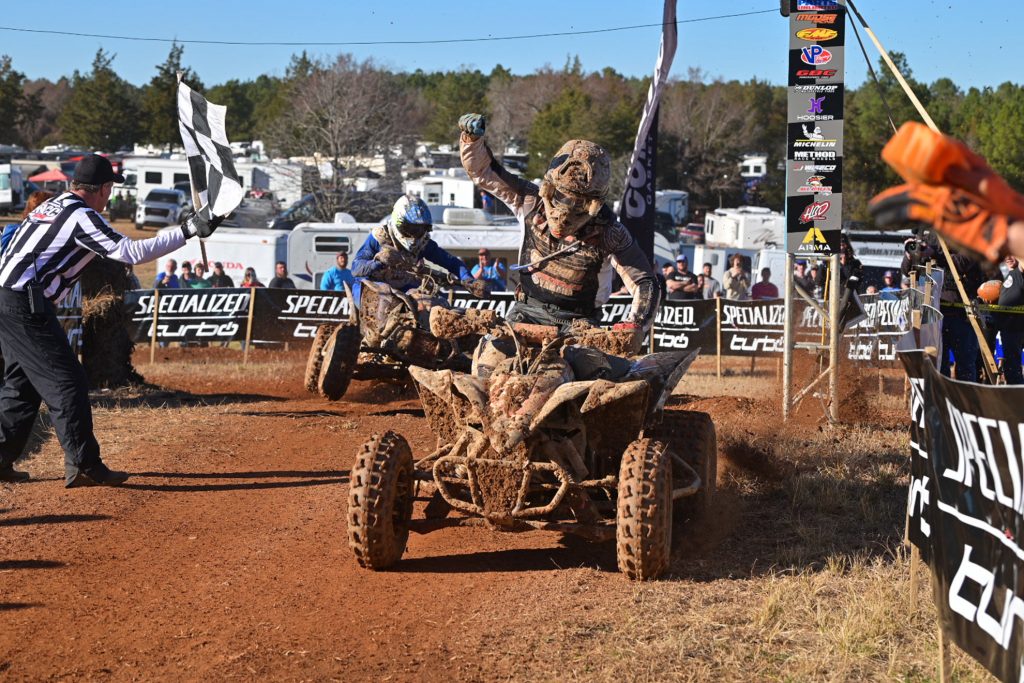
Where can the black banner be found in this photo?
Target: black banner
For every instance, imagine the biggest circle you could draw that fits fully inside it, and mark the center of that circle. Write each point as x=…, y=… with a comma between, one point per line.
x=285, y=315
x=967, y=498
x=636, y=210
x=188, y=314
x=69, y=313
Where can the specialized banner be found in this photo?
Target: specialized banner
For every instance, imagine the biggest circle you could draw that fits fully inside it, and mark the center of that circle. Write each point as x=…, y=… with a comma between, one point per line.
x=637, y=208
x=814, y=167
x=286, y=315
x=966, y=502
x=188, y=314
x=69, y=313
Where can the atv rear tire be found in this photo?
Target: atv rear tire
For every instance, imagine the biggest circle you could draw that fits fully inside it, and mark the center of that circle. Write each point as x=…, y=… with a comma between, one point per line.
x=691, y=434
x=341, y=354
x=380, y=501
x=316, y=358
x=643, y=517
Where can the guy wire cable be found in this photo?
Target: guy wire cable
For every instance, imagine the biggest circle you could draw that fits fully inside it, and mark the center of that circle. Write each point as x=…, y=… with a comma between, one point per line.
x=874, y=75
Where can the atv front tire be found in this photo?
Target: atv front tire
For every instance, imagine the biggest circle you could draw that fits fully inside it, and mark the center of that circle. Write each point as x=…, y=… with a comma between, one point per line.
x=643, y=518
x=380, y=501
x=341, y=354
x=315, y=360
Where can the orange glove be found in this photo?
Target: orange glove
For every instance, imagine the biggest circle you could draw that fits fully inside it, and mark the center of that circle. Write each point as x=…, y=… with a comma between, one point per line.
x=953, y=213
x=625, y=326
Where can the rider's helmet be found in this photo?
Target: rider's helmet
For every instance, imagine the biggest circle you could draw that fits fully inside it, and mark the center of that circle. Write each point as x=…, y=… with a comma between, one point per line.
x=410, y=221
x=575, y=186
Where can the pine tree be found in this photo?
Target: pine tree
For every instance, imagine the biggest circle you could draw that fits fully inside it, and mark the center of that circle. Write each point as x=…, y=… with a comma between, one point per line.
x=160, y=99
x=102, y=112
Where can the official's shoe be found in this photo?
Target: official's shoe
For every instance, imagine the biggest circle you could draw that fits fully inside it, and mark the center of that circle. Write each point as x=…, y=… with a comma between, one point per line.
x=100, y=475
x=12, y=476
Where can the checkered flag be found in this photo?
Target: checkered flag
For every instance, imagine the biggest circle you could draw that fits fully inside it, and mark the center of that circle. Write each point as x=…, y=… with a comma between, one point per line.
x=216, y=185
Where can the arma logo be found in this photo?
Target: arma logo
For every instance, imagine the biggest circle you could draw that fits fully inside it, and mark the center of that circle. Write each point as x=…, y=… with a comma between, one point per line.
x=816, y=73
x=813, y=35
x=816, y=211
x=815, y=55
x=817, y=18
x=814, y=241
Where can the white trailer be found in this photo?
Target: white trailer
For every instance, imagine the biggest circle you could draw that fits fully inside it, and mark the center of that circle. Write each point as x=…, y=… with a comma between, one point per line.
x=150, y=173
x=450, y=187
x=748, y=227
x=12, y=187
x=238, y=249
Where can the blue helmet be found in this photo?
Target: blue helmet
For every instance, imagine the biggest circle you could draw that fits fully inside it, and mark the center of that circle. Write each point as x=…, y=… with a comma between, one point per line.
x=410, y=220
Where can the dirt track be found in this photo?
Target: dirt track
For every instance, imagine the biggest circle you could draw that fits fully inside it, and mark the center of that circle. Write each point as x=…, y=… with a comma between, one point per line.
x=225, y=555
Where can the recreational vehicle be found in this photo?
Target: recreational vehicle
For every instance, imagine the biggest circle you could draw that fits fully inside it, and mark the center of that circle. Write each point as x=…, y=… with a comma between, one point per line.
x=12, y=187
x=150, y=173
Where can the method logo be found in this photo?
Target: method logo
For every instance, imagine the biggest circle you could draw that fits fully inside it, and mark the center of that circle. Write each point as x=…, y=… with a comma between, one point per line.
x=818, y=18
x=815, y=73
x=816, y=211
x=815, y=55
x=813, y=35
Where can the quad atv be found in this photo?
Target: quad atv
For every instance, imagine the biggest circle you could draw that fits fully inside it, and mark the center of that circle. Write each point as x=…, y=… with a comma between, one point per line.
x=389, y=330
x=555, y=436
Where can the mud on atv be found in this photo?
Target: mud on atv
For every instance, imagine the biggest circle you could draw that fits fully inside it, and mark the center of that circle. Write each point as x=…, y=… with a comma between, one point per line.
x=562, y=437
x=390, y=330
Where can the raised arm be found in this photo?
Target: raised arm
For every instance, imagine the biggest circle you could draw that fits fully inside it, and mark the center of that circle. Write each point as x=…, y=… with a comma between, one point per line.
x=485, y=171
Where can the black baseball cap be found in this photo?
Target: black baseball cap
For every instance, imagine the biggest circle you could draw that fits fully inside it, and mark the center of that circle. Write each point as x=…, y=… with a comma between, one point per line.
x=96, y=170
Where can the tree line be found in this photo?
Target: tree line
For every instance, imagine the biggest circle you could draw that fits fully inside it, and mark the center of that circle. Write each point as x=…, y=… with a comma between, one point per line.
x=342, y=106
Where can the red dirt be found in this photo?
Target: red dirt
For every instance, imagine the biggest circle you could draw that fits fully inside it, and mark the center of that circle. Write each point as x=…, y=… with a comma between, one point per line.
x=225, y=554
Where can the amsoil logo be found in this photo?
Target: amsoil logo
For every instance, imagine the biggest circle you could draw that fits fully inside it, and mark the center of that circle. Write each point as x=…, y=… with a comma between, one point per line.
x=815, y=73
x=816, y=211
x=817, y=18
x=813, y=35
x=821, y=5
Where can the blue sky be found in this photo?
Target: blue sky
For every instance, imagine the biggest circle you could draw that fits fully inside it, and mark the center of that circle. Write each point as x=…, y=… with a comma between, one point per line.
x=952, y=38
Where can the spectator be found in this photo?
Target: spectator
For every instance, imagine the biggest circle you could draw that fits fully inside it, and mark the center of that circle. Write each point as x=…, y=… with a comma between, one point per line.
x=487, y=202
x=1011, y=324
x=871, y=290
x=682, y=284
x=802, y=278
x=281, y=279
x=850, y=268
x=250, y=279
x=736, y=282
x=186, y=279
x=712, y=288
x=904, y=284
x=489, y=271
x=765, y=289
x=335, y=278
x=198, y=279
x=167, y=279
x=889, y=292
x=34, y=200
x=219, y=279
x=817, y=275
x=133, y=279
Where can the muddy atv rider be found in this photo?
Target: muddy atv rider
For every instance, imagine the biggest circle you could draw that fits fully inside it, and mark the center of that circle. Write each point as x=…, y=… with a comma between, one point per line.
x=571, y=238
x=393, y=250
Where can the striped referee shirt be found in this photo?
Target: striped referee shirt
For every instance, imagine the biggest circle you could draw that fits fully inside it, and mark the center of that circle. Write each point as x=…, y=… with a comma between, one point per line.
x=56, y=241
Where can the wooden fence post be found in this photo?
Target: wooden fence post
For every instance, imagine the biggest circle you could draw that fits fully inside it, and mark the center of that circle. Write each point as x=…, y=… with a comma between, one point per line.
x=718, y=325
x=152, y=333
x=248, y=326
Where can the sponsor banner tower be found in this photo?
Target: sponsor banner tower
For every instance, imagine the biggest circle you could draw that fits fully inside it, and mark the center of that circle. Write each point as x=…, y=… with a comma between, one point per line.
x=814, y=166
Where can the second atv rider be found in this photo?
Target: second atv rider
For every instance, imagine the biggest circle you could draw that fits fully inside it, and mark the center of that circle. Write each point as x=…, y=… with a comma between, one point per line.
x=392, y=251
x=571, y=238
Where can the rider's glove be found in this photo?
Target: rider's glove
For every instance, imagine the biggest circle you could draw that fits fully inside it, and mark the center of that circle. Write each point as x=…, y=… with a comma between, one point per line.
x=477, y=288
x=195, y=224
x=390, y=257
x=473, y=124
x=952, y=213
x=626, y=326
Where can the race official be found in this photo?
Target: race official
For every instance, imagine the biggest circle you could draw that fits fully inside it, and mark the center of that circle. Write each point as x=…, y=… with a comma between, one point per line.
x=45, y=258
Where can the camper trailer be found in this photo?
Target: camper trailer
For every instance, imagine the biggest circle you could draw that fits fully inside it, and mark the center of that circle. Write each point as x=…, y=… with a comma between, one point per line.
x=143, y=174
x=12, y=187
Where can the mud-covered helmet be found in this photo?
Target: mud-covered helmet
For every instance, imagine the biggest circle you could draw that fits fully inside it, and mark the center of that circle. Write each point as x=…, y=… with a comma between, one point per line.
x=575, y=186
x=410, y=220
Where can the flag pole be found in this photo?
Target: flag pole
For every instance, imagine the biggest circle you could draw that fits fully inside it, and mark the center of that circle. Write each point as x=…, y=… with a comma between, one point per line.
x=195, y=196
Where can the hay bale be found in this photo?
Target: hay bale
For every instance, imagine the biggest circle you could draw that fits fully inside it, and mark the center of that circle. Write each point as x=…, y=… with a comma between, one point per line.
x=106, y=347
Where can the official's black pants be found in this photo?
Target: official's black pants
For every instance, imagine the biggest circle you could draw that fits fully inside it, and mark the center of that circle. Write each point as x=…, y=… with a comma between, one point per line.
x=40, y=366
